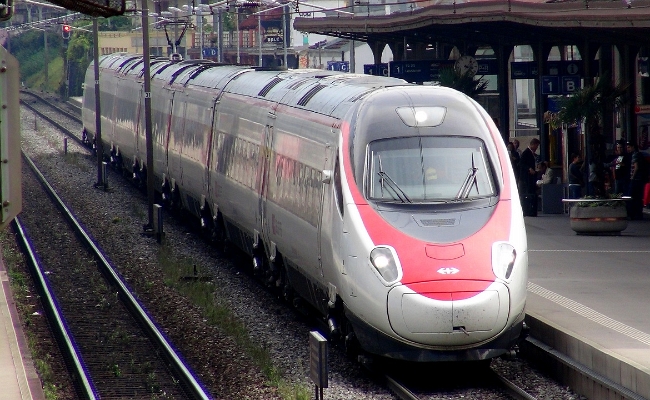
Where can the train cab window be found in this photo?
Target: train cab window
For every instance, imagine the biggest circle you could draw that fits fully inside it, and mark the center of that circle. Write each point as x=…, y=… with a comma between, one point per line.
x=428, y=169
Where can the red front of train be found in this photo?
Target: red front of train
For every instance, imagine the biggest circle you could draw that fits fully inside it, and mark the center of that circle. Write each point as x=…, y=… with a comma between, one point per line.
x=433, y=246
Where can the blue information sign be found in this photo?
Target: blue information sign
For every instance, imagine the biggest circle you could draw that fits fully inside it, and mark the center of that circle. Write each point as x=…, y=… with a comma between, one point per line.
x=570, y=84
x=551, y=85
x=523, y=70
x=376, y=69
x=210, y=52
x=488, y=66
x=342, y=66
x=419, y=70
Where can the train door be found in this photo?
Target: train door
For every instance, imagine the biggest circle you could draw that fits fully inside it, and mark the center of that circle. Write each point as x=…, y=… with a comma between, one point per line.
x=326, y=211
x=266, y=146
x=175, y=137
x=162, y=120
x=210, y=156
x=140, y=132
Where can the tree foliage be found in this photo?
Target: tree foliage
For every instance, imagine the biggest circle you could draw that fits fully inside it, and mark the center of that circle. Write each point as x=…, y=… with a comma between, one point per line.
x=79, y=54
x=29, y=49
x=464, y=83
x=591, y=102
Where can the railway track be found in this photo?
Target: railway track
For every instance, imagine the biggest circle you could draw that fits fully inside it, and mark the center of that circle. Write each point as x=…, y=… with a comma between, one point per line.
x=112, y=346
x=66, y=109
x=419, y=386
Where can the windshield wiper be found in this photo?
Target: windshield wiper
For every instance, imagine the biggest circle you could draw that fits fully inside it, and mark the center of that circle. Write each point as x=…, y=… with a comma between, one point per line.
x=394, y=186
x=470, y=180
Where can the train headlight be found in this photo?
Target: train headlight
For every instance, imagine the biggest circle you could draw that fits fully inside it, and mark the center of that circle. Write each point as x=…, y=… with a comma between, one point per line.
x=503, y=259
x=385, y=261
x=421, y=116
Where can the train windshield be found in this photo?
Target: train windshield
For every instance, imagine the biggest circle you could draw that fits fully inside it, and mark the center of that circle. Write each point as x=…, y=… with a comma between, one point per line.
x=428, y=169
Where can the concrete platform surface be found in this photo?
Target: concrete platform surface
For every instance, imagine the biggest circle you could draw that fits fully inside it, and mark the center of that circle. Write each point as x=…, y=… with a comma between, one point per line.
x=589, y=297
x=18, y=377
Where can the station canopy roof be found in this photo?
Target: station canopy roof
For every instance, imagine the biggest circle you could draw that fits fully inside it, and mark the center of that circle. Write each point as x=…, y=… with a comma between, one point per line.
x=493, y=22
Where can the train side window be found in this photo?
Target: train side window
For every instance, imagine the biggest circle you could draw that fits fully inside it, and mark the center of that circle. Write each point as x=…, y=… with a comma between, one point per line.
x=338, y=194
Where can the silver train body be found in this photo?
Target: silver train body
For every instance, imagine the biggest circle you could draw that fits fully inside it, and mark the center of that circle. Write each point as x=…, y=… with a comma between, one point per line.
x=390, y=208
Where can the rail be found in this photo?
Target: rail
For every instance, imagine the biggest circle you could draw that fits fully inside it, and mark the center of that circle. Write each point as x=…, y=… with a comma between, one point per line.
x=194, y=389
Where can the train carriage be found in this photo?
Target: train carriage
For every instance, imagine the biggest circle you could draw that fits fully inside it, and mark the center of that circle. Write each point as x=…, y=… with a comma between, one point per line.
x=390, y=208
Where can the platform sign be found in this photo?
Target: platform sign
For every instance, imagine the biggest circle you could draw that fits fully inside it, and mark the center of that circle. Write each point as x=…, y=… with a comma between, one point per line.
x=553, y=68
x=418, y=70
x=376, y=69
x=210, y=52
x=523, y=70
x=570, y=84
x=343, y=66
x=551, y=85
x=565, y=68
x=487, y=66
x=412, y=71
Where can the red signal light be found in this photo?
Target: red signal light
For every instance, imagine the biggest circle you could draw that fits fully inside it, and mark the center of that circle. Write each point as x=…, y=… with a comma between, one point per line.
x=66, y=30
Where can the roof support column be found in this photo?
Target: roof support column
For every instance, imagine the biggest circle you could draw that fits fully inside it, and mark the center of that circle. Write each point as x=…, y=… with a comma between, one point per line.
x=606, y=67
x=377, y=49
x=629, y=56
x=541, y=52
x=503, y=54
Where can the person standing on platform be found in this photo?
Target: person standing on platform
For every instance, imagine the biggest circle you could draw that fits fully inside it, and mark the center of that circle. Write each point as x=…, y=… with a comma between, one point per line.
x=515, y=142
x=638, y=178
x=527, y=172
x=545, y=174
x=621, y=168
x=576, y=180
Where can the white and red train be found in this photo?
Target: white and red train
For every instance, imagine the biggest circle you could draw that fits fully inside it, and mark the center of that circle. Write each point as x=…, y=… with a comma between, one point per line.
x=390, y=208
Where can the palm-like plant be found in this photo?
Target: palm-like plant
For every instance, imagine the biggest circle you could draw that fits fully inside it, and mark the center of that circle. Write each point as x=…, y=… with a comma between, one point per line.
x=590, y=103
x=464, y=83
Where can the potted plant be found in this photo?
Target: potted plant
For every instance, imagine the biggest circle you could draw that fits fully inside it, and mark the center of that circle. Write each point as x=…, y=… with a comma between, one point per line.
x=598, y=216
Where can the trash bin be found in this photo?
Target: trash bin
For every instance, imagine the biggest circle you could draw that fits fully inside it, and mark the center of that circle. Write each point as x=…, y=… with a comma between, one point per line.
x=529, y=204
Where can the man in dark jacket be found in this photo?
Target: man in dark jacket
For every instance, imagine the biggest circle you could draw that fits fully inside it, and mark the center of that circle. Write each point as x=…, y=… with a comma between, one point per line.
x=527, y=172
x=638, y=178
x=576, y=181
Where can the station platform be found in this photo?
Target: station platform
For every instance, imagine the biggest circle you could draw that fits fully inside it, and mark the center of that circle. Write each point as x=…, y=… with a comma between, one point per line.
x=589, y=298
x=18, y=377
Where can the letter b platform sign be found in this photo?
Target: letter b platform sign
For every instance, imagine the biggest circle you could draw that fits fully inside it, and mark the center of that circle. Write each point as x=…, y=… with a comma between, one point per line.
x=570, y=84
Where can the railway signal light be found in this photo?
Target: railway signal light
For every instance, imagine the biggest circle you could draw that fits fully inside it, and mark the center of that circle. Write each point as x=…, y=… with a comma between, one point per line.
x=65, y=31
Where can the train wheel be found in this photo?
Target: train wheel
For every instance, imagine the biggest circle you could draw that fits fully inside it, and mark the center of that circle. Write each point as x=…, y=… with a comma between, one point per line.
x=143, y=178
x=220, y=235
x=205, y=222
x=175, y=206
x=116, y=162
x=350, y=342
x=166, y=194
x=135, y=178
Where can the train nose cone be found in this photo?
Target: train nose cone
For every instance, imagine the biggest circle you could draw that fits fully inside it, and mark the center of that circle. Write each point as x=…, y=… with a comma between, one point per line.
x=422, y=319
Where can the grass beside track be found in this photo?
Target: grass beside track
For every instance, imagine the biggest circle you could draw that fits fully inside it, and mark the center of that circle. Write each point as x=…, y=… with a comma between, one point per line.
x=202, y=294
x=24, y=299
